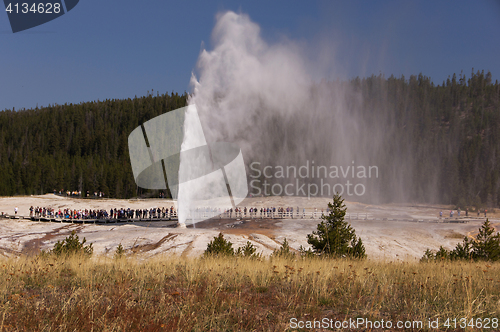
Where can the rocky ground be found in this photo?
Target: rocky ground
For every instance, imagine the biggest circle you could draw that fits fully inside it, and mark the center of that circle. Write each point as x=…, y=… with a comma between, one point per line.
x=389, y=232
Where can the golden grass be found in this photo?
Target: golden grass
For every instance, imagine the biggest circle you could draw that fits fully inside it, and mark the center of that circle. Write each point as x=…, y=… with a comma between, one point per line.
x=173, y=294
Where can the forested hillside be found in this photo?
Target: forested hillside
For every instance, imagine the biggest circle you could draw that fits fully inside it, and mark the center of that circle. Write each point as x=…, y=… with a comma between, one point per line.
x=449, y=133
x=80, y=147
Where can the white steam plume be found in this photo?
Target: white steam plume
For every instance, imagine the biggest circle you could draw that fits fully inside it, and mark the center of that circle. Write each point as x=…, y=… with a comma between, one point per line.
x=261, y=96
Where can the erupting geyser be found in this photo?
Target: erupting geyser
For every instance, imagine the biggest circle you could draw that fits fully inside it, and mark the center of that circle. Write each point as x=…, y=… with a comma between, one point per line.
x=210, y=176
x=193, y=138
x=270, y=100
x=264, y=98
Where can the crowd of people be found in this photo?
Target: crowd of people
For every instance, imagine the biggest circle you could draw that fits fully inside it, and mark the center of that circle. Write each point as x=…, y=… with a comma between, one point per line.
x=452, y=212
x=253, y=212
x=121, y=213
x=170, y=213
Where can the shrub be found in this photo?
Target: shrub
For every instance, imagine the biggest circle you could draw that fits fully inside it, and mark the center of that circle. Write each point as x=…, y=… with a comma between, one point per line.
x=442, y=253
x=248, y=251
x=71, y=246
x=334, y=236
x=428, y=256
x=219, y=246
x=120, y=252
x=306, y=253
x=284, y=251
x=462, y=250
x=486, y=246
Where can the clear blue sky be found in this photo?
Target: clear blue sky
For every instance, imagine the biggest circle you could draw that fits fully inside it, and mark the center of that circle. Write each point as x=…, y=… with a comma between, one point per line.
x=119, y=49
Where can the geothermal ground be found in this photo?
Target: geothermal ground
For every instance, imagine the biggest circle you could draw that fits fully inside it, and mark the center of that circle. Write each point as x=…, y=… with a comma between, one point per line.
x=389, y=232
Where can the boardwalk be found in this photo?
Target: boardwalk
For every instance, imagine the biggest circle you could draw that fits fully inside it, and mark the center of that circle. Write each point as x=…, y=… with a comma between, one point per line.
x=227, y=215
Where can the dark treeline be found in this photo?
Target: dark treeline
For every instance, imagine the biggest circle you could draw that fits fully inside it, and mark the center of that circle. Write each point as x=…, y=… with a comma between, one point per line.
x=449, y=133
x=80, y=147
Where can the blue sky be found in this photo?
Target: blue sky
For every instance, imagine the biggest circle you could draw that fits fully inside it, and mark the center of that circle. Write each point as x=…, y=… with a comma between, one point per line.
x=120, y=49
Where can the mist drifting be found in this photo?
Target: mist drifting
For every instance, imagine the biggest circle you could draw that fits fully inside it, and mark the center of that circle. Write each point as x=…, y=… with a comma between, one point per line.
x=262, y=96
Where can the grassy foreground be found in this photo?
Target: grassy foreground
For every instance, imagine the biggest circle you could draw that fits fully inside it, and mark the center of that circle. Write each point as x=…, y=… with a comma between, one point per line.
x=173, y=294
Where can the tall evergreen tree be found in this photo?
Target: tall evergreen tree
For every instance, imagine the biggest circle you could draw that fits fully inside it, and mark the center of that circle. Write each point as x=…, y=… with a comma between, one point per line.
x=334, y=236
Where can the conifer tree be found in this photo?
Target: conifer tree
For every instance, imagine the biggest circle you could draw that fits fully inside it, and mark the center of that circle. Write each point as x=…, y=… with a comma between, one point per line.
x=487, y=244
x=219, y=246
x=334, y=236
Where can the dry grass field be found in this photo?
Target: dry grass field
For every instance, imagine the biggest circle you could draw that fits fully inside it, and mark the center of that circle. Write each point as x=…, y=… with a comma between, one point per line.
x=237, y=294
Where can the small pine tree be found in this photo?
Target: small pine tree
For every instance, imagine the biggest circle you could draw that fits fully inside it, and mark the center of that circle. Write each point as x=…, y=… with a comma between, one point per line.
x=306, y=253
x=487, y=245
x=248, y=251
x=120, y=252
x=219, y=246
x=72, y=245
x=462, y=250
x=334, y=236
x=442, y=253
x=284, y=251
x=428, y=256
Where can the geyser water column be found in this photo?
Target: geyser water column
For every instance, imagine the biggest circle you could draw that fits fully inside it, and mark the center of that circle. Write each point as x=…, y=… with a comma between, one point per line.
x=171, y=149
x=193, y=138
x=213, y=177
